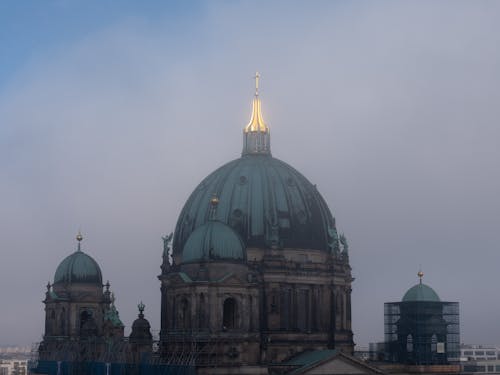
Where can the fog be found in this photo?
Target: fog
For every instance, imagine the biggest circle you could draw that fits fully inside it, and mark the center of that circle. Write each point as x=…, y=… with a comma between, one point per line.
x=390, y=108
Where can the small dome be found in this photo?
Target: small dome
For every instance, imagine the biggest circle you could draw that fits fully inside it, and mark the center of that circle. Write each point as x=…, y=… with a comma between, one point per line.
x=78, y=268
x=421, y=293
x=141, y=329
x=213, y=241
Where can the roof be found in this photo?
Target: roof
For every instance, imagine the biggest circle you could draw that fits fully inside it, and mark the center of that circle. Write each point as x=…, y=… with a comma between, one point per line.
x=421, y=292
x=309, y=360
x=266, y=201
x=78, y=268
x=113, y=316
x=213, y=241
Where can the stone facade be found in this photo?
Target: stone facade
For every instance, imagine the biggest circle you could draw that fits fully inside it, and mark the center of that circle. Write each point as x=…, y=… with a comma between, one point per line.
x=278, y=303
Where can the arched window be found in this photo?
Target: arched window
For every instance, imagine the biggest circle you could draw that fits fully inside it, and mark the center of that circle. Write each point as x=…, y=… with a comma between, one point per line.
x=229, y=314
x=434, y=343
x=88, y=326
x=409, y=343
x=85, y=316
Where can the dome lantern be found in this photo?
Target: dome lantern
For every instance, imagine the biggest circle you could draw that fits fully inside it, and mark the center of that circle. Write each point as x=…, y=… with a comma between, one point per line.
x=256, y=137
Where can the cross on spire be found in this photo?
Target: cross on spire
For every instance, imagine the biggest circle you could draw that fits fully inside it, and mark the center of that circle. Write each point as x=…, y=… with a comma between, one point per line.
x=79, y=238
x=420, y=274
x=257, y=76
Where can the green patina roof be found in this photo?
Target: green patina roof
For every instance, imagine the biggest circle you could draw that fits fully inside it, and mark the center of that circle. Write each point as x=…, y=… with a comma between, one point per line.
x=78, y=268
x=265, y=200
x=309, y=359
x=213, y=241
x=421, y=292
x=113, y=317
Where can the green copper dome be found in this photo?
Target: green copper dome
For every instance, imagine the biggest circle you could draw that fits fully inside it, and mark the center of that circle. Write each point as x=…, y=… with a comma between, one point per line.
x=420, y=293
x=266, y=201
x=213, y=241
x=78, y=268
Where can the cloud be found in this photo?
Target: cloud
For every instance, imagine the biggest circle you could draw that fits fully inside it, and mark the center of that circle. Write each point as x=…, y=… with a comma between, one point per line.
x=391, y=109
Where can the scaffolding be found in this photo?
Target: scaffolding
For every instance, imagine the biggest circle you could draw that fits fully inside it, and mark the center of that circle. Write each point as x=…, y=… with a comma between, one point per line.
x=422, y=332
x=179, y=353
x=100, y=356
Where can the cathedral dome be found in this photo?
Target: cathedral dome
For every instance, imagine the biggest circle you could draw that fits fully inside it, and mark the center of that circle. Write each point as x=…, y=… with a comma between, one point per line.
x=78, y=268
x=265, y=200
x=213, y=241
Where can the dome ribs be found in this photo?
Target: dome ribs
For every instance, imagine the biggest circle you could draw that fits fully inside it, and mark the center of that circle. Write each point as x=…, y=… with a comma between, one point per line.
x=265, y=200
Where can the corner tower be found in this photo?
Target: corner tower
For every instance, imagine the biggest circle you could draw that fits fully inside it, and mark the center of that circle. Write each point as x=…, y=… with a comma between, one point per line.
x=421, y=329
x=260, y=241
x=78, y=307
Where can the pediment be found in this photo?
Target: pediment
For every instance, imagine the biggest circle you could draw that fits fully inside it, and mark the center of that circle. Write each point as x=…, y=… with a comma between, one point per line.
x=327, y=362
x=339, y=365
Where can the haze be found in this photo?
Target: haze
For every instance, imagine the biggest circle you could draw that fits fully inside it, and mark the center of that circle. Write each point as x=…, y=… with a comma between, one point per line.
x=111, y=113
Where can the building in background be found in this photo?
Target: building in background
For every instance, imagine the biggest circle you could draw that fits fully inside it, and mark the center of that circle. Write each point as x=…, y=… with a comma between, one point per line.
x=13, y=367
x=479, y=359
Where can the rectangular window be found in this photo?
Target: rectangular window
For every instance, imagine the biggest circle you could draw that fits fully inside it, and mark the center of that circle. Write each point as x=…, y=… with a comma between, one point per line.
x=303, y=310
x=286, y=309
x=468, y=352
x=489, y=352
x=479, y=352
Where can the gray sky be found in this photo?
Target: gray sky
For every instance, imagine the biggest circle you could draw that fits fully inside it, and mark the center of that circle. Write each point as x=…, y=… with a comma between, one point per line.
x=391, y=108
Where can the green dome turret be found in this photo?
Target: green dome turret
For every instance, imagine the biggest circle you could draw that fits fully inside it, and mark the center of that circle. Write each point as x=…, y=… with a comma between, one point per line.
x=78, y=268
x=213, y=241
x=421, y=292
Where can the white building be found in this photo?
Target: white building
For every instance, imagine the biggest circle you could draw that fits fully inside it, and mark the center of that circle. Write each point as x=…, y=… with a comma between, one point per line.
x=13, y=367
x=479, y=353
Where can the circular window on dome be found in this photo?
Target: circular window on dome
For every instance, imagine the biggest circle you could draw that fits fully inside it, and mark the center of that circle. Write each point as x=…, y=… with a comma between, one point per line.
x=243, y=180
x=237, y=213
x=290, y=181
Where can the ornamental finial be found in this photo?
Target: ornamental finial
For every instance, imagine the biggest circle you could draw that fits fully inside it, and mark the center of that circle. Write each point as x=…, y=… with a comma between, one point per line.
x=420, y=274
x=256, y=138
x=141, y=306
x=257, y=76
x=214, y=202
x=79, y=238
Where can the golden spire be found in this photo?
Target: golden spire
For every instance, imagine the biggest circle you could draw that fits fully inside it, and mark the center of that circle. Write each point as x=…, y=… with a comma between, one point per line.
x=256, y=123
